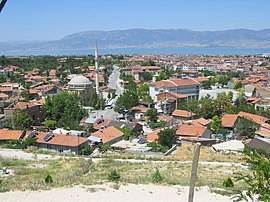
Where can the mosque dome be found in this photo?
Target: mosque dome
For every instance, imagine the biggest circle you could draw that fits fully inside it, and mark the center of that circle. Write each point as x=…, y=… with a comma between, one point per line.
x=80, y=81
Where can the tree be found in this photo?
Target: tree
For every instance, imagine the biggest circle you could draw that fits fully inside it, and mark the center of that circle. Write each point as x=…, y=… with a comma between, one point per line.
x=126, y=101
x=238, y=85
x=21, y=119
x=49, y=123
x=258, y=180
x=162, y=76
x=167, y=137
x=216, y=125
x=152, y=113
x=65, y=109
x=246, y=127
x=207, y=107
x=206, y=85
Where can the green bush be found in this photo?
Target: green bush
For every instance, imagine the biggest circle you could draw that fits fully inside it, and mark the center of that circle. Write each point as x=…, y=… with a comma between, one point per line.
x=157, y=124
x=228, y=182
x=114, y=176
x=48, y=179
x=156, y=177
x=157, y=147
x=104, y=148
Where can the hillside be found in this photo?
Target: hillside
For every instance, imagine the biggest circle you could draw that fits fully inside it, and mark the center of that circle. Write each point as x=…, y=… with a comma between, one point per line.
x=142, y=38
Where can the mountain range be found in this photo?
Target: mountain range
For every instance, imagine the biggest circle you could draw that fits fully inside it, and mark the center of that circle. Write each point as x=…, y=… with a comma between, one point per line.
x=143, y=38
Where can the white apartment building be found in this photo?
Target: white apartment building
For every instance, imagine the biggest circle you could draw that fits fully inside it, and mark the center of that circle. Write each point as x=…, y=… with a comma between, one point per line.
x=188, y=87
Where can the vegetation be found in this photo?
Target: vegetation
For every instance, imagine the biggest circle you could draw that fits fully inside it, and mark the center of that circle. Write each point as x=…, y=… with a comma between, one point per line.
x=155, y=147
x=258, y=180
x=65, y=109
x=228, y=182
x=30, y=175
x=48, y=179
x=167, y=137
x=126, y=101
x=114, y=176
x=152, y=114
x=157, y=176
x=246, y=128
x=22, y=120
x=160, y=124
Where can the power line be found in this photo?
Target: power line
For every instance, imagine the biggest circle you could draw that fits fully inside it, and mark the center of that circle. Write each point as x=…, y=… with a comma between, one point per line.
x=2, y=4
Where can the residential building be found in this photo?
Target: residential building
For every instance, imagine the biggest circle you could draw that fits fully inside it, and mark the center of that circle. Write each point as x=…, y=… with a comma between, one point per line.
x=188, y=87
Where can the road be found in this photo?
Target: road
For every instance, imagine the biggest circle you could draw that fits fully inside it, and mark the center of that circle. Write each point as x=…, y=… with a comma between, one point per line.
x=114, y=84
x=114, y=81
x=20, y=154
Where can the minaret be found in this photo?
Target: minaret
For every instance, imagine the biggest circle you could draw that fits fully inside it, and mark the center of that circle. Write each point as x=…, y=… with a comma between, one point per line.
x=97, y=69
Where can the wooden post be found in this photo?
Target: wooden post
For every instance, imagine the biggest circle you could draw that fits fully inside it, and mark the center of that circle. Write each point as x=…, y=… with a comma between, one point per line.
x=194, y=171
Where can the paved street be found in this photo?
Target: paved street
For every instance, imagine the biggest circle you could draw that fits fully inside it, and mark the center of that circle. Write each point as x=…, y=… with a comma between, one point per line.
x=114, y=81
x=114, y=84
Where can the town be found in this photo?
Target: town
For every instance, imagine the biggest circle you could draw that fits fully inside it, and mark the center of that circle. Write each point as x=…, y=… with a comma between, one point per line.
x=133, y=108
x=92, y=103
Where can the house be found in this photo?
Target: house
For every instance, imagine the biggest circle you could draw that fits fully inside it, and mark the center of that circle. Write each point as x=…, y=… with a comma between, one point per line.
x=189, y=130
x=48, y=141
x=229, y=121
x=201, y=122
x=101, y=123
x=61, y=143
x=139, y=112
x=153, y=136
x=264, y=130
x=109, y=135
x=169, y=101
x=6, y=134
x=255, y=118
x=229, y=146
x=34, y=110
x=188, y=87
x=190, y=74
x=183, y=115
x=133, y=126
x=138, y=71
x=260, y=143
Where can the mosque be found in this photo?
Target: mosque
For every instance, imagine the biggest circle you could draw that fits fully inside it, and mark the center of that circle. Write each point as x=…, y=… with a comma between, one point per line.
x=83, y=85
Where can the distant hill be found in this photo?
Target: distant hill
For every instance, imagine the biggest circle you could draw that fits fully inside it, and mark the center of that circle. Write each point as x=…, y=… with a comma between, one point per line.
x=143, y=38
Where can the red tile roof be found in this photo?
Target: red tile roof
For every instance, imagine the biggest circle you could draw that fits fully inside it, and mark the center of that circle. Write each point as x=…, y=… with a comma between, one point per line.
x=264, y=130
x=229, y=120
x=24, y=105
x=255, y=118
x=183, y=113
x=6, y=134
x=138, y=108
x=101, y=123
x=201, y=121
x=108, y=134
x=64, y=140
x=175, y=82
x=190, y=130
x=153, y=136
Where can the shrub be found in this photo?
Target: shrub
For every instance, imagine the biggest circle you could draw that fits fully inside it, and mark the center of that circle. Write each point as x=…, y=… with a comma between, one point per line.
x=48, y=179
x=114, y=176
x=258, y=180
x=228, y=182
x=104, y=147
x=156, y=177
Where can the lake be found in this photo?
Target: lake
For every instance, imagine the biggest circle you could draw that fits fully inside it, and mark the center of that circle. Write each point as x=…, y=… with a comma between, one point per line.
x=204, y=51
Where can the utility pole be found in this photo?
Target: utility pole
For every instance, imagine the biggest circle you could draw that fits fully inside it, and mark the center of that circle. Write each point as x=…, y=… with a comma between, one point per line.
x=194, y=171
x=2, y=5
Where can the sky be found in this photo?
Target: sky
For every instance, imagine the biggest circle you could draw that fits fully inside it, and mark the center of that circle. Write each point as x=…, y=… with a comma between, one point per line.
x=25, y=20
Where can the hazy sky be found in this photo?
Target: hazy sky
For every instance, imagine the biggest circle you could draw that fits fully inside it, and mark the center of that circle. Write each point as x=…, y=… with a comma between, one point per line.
x=53, y=19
